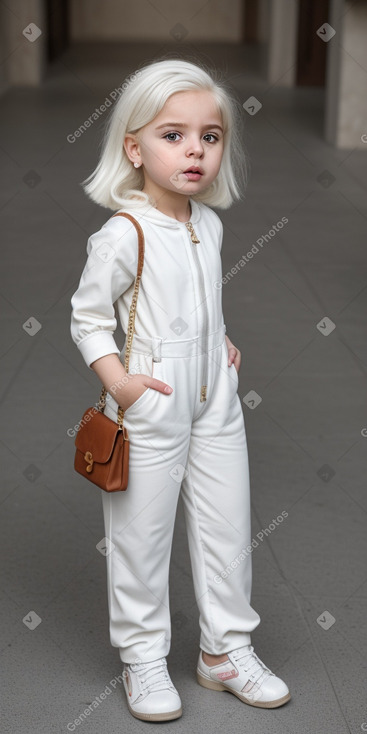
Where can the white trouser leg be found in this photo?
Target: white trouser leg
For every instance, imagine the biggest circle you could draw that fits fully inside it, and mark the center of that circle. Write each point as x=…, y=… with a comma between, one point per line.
x=140, y=522
x=216, y=497
x=168, y=435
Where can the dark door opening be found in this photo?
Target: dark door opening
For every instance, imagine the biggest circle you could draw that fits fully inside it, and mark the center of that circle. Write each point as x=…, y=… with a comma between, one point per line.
x=311, y=50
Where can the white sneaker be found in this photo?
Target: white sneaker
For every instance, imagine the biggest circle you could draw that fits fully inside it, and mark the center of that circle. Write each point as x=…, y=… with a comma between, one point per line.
x=245, y=675
x=150, y=692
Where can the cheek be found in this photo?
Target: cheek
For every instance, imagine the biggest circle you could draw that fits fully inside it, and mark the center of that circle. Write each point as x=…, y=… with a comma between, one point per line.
x=154, y=153
x=217, y=161
x=166, y=165
x=163, y=161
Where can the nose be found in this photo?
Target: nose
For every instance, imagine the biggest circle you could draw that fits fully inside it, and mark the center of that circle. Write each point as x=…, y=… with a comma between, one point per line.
x=195, y=146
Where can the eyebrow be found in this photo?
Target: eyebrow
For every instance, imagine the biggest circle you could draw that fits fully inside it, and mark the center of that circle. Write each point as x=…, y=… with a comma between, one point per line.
x=182, y=124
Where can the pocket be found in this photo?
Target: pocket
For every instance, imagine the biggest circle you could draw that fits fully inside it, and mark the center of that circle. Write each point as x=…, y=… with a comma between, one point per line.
x=234, y=372
x=156, y=371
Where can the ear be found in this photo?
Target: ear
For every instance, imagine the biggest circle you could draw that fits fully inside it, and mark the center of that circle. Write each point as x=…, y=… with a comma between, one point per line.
x=132, y=147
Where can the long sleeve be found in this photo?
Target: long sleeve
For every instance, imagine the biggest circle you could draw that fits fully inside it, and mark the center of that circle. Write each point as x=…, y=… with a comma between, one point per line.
x=219, y=226
x=220, y=235
x=109, y=271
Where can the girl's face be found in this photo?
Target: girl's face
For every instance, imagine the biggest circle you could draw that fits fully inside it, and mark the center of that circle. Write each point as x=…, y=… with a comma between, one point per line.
x=187, y=132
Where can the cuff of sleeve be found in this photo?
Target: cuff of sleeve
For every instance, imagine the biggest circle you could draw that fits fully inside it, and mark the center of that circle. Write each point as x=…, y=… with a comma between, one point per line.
x=97, y=345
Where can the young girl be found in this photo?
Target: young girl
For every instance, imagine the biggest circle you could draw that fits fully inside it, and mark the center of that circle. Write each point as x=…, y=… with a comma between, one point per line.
x=172, y=149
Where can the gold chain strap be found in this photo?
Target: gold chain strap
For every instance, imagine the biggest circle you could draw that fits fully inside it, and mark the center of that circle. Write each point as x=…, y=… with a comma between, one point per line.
x=131, y=325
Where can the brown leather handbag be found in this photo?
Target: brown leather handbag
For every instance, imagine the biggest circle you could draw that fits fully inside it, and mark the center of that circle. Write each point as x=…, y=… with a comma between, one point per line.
x=102, y=445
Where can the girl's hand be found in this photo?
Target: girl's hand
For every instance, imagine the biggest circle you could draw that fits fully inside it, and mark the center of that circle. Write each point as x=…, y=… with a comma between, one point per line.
x=125, y=387
x=137, y=384
x=234, y=354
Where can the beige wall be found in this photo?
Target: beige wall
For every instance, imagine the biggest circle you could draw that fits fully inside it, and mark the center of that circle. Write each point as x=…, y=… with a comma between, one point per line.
x=346, y=90
x=277, y=32
x=116, y=20
x=23, y=57
x=353, y=79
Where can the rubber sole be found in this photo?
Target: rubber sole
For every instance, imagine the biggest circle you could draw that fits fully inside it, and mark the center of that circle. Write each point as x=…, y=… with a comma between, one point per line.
x=166, y=716
x=216, y=686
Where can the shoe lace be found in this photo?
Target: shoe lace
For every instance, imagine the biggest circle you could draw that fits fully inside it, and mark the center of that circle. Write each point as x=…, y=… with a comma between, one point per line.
x=247, y=659
x=153, y=675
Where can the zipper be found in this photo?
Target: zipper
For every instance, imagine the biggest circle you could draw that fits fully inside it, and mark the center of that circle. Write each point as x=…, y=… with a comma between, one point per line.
x=204, y=377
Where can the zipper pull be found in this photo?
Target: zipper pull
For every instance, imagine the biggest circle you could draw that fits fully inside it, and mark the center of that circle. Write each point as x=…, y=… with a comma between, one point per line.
x=194, y=238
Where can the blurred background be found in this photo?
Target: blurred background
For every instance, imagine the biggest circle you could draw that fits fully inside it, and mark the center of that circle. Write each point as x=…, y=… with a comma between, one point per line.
x=296, y=310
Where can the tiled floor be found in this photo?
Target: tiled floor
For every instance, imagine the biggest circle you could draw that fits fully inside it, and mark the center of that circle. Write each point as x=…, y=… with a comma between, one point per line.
x=307, y=437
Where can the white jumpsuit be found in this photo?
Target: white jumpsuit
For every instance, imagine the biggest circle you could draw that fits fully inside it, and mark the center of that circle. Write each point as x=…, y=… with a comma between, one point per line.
x=192, y=440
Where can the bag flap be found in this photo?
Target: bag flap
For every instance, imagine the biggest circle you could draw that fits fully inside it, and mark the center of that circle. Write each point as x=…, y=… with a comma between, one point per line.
x=96, y=434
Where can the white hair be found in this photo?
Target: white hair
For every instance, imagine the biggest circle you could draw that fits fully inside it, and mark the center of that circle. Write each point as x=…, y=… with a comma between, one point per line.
x=115, y=180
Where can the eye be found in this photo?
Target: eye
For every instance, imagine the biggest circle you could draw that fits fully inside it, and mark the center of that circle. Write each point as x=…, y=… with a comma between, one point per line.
x=207, y=135
x=166, y=136
x=210, y=135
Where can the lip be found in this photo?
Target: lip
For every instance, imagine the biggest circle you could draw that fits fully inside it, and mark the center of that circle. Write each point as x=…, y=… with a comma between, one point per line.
x=193, y=169
x=193, y=176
